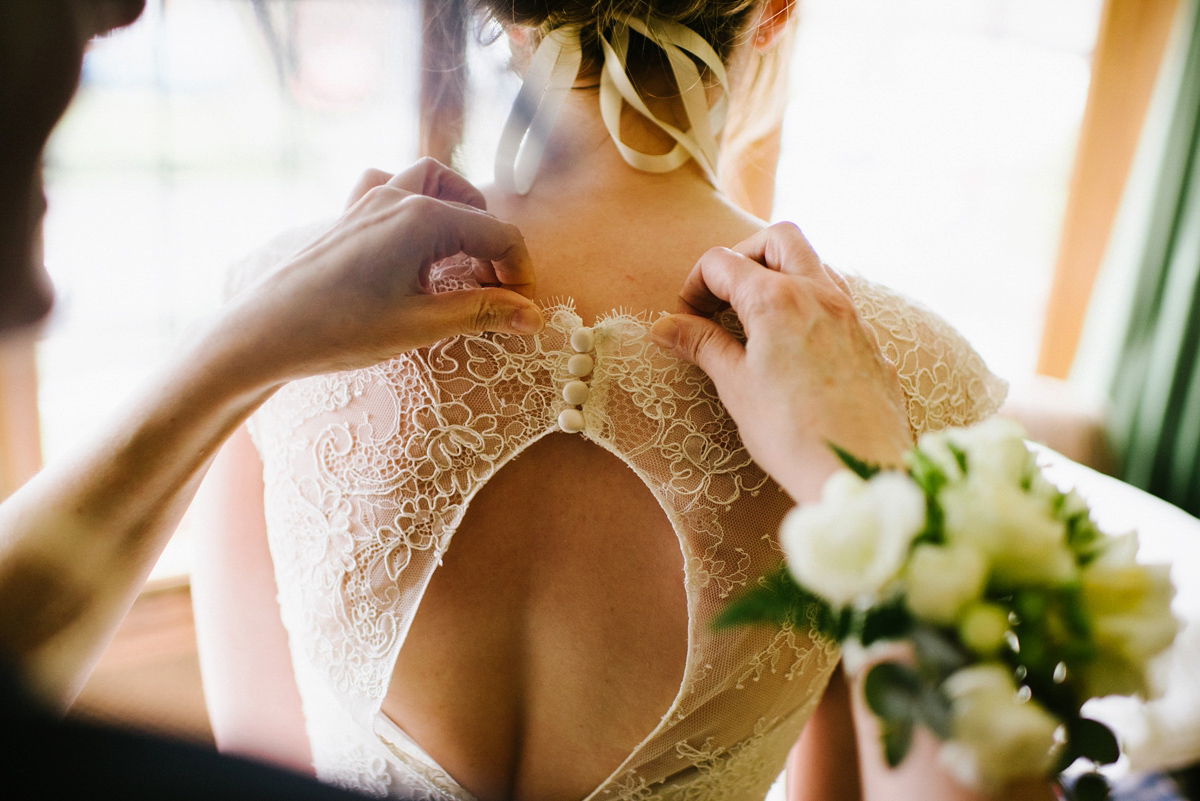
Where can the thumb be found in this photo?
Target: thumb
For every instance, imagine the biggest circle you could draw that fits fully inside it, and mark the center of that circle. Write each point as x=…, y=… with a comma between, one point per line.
x=471, y=311
x=700, y=341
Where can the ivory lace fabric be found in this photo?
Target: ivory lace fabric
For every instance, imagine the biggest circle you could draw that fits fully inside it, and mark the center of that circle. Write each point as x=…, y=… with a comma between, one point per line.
x=369, y=472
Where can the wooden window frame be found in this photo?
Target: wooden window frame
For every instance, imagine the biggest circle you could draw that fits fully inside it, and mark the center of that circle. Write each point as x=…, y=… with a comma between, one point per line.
x=1129, y=50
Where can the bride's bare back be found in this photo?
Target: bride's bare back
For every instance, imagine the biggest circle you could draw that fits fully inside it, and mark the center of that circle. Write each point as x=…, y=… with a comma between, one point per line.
x=554, y=635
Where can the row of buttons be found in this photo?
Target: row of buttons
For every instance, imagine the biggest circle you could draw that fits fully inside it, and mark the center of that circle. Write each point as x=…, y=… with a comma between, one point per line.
x=576, y=391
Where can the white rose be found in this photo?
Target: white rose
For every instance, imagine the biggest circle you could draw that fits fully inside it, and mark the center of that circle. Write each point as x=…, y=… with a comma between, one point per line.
x=996, y=736
x=1132, y=622
x=1022, y=541
x=995, y=446
x=849, y=546
x=940, y=581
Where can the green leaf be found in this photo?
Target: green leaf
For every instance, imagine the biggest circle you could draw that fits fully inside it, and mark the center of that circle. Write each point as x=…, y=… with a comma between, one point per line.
x=930, y=478
x=934, y=532
x=777, y=599
x=935, y=712
x=1032, y=606
x=959, y=455
x=888, y=621
x=897, y=740
x=1091, y=787
x=1075, y=612
x=1030, y=603
x=938, y=652
x=893, y=691
x=1093, y=740
x=925, y=472
x=1084, y=538
x=769, y=600
x=840, y=623
x=860, y=468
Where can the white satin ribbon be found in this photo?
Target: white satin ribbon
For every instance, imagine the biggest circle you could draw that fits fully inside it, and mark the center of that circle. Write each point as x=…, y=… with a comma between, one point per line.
x=552, y=73
x=550, y=77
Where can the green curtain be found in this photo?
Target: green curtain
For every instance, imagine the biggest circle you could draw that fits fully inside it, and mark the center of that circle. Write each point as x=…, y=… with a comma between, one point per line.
x=1154, y=418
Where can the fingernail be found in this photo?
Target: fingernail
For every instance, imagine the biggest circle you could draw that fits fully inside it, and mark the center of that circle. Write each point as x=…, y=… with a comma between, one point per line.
x=665, y=332
x=526, y=321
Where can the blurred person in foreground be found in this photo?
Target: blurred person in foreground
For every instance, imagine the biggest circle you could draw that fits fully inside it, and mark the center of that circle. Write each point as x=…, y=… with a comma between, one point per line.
x=78, y=540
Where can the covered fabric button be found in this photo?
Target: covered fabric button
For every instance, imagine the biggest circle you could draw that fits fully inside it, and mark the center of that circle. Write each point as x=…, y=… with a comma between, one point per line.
x=570, y=420
x=579, y=365
x=575, y=392
x=583, y=340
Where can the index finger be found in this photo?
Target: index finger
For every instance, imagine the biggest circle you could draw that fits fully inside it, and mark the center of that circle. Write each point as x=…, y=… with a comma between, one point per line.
x=366, y=182
x=713, y=281
x=782, y=247
x=454, y=229
x=430, y=177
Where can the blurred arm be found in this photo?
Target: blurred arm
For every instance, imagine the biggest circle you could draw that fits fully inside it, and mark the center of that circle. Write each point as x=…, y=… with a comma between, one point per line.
x=78, y=540
x=249, y=684
x=824, y=764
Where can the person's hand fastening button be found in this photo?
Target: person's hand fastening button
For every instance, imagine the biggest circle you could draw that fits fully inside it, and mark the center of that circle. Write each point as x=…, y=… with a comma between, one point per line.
x=805, y=343
x=359, y=293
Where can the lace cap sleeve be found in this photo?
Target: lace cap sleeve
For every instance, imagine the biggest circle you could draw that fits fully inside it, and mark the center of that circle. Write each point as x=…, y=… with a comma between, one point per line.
x=945, y=381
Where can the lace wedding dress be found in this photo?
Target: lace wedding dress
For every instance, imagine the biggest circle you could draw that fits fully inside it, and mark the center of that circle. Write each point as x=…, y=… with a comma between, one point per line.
x=368, y=474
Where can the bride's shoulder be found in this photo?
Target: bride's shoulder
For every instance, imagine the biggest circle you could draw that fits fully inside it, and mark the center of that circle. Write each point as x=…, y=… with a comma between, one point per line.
x=945, y=380
x=265, y=259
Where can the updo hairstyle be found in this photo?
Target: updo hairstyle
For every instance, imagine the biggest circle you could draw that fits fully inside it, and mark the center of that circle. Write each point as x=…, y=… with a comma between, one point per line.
x=757, y=97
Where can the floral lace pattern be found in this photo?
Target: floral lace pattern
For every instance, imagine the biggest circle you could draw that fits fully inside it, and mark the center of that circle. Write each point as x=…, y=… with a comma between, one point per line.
x=369, y=473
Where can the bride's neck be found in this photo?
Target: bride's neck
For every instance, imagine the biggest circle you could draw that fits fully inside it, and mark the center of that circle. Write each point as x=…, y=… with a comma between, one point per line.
x=582, y=158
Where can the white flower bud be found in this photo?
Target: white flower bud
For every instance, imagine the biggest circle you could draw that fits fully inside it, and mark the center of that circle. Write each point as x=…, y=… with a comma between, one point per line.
x=939, y=581
x=982, y=627
x=852, y=544
x=996, y=736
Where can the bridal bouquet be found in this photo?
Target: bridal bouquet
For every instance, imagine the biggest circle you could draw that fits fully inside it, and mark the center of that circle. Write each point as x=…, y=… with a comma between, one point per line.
x=1014, y=606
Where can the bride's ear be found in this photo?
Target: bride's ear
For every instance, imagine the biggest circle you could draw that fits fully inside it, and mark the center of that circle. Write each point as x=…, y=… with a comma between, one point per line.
x=773, y=18
x=520, y=42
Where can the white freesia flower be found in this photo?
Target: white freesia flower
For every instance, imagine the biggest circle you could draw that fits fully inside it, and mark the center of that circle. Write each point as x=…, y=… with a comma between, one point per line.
x=1130, y=607
x=941, y=580
x=996, y=736
x=1022, y=541
x=995, y=446
x=852, y=544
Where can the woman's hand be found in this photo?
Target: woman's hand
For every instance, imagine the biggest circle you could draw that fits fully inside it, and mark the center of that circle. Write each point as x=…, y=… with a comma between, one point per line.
x=77, y=541
x=358, y=294
x=810, y=373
